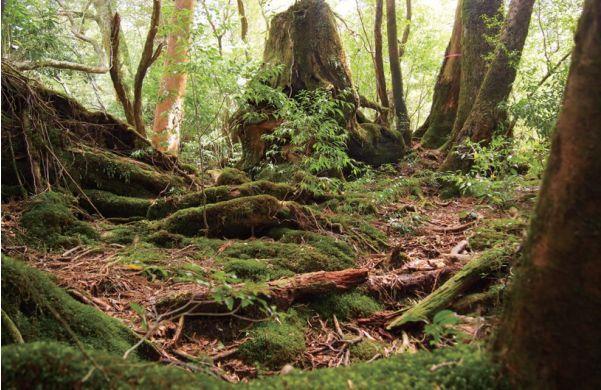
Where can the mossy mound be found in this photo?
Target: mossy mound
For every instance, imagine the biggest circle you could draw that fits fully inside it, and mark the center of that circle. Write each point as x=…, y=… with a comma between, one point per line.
x=298, y=258
x=255, y=270
x=331, y=246
x=142, y=253
x=274, y=344
x=497, y=231
x=53, y=365
x=366, y=350
x=35, y=304
x=126, y=234
x=111, y=205
x=346, y=306
x=459, y=367
x=236, y=218
x=232, y=176
x=49, y=220
x=164, y=239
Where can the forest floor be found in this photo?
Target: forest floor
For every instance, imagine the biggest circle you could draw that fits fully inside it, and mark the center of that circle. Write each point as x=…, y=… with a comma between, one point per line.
x=125, y=276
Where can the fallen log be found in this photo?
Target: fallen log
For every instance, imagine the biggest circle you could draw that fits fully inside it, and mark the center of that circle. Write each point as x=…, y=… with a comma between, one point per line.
x=484, y=264
x=282, y=292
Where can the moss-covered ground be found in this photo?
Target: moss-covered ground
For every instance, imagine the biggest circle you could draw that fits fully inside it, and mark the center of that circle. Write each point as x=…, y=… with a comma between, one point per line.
x=92, y=283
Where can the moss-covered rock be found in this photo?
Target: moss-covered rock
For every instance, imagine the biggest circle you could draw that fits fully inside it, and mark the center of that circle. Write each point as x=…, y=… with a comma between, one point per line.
x=366, y=350
x=346, y=306
x=49, y=220
x=111, y=205
x=54, y=365
x=42, y=311
x=236, y=218
x=274, y=344
x=298, y=258
x=164, y=239
x=232, y=176
x=255, y=270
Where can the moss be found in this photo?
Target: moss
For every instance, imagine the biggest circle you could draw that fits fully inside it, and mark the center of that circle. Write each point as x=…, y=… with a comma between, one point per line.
x=346, y=306
x=231, y=176
x=29, y=298
x=298, y=258
x=49, y=220
x=360, y=231
x=459, y=367
x=254, y=270
x=111, y=205
x=328, y=245
x=497, y=231
x=205, y=247
x=233, y=218
x=164, y=239
x=142, y=253
x=366, y=350
x=53, y=365
x=359, y=204
x=274, y=344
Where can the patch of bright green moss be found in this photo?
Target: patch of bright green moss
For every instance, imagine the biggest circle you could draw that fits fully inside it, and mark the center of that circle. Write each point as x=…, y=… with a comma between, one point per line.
x=366, y=350
x=111, y=205
x=254, y=270
x=142, y=253
x=164, y=239
x=346, y=306
x=54, y=365
x=274, y=344
x=49, y=220
x=497, y=231
x=331, y=246
x=30, y=298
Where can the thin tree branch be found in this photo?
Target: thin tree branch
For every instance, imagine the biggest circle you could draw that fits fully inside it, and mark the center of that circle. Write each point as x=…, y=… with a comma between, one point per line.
x=31, y=65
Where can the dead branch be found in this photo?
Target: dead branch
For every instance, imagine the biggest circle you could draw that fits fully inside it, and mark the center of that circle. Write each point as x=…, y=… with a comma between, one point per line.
x=31, y=65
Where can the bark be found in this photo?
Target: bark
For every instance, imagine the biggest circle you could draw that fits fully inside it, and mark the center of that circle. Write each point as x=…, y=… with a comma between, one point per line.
x=488, y=110
x=243, y=26
x=31, y=65
x=169, y=111
x=378, y=57
x=439, y=124
x=400, y=108
x=474, y=50
x=121, y=88
x=282, y=293
x=550, y=336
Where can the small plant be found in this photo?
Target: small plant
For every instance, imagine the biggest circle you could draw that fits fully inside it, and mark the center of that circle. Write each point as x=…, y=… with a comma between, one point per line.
x=443, y=328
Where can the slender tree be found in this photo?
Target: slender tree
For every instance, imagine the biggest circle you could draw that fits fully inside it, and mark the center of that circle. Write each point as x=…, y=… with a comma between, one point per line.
x=550, y=337
x=169, y=111
x=400, y=108
x=243, y=26
x=488, y=110
x=439, y=123
x=476, y=44
x=378, y=57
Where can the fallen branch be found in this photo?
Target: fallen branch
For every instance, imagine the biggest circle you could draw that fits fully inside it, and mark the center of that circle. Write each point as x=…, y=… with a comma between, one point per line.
x=462, y=281
x=452, y=229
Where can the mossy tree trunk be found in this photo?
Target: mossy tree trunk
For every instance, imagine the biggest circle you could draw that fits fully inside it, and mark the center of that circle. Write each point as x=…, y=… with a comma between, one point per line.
x=378, y=56
x=476, y=27
x=488, y=111
x=396, y=77
x=169, y=111
x=310, y=62
x=550, y=336
x=439, y=124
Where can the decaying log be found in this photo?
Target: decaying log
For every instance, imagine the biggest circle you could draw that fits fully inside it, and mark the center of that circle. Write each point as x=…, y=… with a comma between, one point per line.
x=282, y=292
x=487, y=263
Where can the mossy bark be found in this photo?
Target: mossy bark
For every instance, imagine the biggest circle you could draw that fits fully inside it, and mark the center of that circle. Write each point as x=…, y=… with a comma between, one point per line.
x=550, y=336
x=488, y=110
x=446, y=294
x=439, y=124
x=475, y=47
x=309, y=62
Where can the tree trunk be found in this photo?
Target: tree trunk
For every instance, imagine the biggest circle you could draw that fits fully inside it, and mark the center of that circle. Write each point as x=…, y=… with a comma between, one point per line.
x=488, y=109
x=169, y=111
x=475, y=16
x=439, y=124
x=400, y=108
x=243, y=26
x=378, y=59
x=550, y=337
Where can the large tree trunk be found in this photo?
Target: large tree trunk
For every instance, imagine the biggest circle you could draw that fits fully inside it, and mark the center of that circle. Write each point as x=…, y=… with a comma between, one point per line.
x=488, y=109
x=309, y=62
x=378, y=57
x=396, y=77
x=169, y=111
x=475, y=19
x=550, y=337
x=439, y=124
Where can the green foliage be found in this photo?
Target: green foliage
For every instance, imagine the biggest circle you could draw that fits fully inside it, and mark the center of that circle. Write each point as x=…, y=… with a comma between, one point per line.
x=346, y=306
x=497, y=231
x=443, y=328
